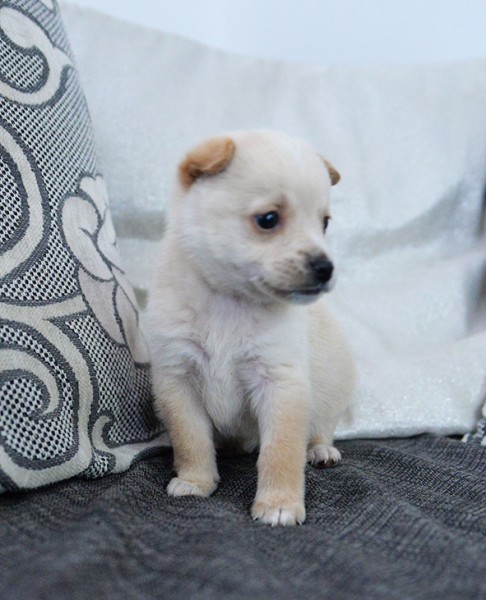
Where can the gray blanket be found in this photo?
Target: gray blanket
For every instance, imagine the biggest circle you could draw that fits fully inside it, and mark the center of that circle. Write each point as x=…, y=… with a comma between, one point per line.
x=397, y=519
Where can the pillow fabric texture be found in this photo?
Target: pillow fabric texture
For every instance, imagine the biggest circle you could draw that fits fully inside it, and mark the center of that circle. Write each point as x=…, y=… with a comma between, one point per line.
x=74, y=374
x=410, y=144
x=478, y=436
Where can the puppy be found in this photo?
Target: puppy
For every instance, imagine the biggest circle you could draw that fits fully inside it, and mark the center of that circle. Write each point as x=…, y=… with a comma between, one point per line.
x=243, y=349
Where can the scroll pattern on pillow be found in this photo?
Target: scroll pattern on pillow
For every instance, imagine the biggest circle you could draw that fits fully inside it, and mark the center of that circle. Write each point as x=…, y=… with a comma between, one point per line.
x=74, y=375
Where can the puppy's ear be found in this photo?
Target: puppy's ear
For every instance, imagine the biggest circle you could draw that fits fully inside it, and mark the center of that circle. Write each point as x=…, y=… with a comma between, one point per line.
x=209, y=158
x=333, y=174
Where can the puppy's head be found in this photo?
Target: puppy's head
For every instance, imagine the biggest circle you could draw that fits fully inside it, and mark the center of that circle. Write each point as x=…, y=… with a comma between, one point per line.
x=251, y=213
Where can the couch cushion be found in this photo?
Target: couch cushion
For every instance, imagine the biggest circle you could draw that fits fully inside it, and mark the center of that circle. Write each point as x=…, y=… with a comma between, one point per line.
x=396, y=519
x=74, y=379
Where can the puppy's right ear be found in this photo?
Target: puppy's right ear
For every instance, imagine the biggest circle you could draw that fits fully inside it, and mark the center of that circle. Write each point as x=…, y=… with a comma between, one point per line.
x=209, y=158
x=333, y=174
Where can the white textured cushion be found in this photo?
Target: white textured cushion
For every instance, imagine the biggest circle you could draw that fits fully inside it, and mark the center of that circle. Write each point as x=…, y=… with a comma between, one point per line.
x=410, y=144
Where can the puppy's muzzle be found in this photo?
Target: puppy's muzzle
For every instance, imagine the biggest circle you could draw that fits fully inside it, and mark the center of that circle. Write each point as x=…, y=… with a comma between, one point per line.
x=321, y=268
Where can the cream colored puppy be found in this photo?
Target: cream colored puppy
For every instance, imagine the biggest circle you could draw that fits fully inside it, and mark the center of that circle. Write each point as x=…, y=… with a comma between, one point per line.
x=243, y=348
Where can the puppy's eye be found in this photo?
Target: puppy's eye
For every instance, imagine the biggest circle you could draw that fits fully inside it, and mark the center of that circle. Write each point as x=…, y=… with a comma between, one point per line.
x=269, y=220
x=326, y=222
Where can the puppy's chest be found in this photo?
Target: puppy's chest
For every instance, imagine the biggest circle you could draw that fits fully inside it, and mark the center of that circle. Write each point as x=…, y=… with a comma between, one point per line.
x=225, y=358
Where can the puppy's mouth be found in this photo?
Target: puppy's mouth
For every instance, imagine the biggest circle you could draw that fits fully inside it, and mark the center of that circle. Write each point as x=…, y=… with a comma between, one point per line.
x=301, y=294
x=308, y=294
x=313, y=291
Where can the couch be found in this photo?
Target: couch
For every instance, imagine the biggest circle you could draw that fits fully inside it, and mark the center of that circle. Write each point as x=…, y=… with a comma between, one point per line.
x=90, y=133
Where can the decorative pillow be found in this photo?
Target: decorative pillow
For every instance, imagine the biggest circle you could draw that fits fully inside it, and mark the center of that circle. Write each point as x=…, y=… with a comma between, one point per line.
x=410, y=144
x=74, y=375
x=479, y=435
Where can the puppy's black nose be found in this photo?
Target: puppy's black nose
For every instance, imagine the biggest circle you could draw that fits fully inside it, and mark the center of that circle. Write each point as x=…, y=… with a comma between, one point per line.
x=321, y=268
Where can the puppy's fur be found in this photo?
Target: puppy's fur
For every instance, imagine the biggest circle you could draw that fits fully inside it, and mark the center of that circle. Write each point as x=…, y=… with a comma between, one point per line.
x=240, y=353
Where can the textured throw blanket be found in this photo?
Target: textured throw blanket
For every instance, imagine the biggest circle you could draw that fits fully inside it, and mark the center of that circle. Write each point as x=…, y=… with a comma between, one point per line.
x=410, y=144
x=398, y=519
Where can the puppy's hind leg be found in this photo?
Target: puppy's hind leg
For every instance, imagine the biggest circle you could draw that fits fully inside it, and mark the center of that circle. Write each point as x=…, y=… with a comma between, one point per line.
x=320, y=451
x=322, y=455
x=190, y=431
x=333, y=380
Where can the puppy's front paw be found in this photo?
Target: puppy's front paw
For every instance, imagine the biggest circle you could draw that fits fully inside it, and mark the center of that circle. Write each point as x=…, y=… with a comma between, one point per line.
x=292, y=513
x=322, y=456
x=183, y=487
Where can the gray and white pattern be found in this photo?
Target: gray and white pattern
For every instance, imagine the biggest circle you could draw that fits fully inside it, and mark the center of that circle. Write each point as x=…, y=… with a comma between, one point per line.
x=74, y=375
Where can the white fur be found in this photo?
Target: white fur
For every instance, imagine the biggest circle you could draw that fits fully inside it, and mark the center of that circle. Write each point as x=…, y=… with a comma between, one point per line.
x=235, y=356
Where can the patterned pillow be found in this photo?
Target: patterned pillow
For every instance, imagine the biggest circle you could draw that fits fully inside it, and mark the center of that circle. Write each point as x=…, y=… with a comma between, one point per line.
x=478, y=436
x=74, y=374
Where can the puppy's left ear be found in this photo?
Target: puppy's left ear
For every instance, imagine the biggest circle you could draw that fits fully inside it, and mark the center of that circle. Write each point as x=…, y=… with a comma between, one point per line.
x=333, y=174
x=209, y=158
